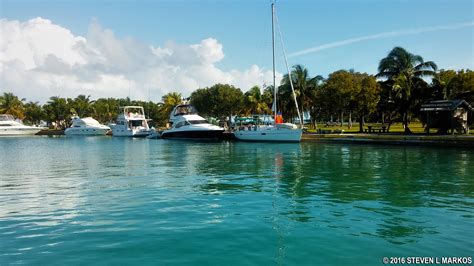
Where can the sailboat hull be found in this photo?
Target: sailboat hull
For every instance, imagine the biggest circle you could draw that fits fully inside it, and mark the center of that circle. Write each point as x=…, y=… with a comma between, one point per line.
x=269, y=135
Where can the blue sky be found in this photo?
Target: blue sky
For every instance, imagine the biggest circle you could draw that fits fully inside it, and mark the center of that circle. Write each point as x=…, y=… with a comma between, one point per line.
x=438, y=30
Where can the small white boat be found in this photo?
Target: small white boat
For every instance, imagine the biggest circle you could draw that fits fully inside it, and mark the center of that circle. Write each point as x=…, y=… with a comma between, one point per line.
x=131, y=122
x=187, y=124
x=86, y=126
x=10, y=127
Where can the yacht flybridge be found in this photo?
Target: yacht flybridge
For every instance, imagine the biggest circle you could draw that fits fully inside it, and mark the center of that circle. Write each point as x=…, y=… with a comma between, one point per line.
x=10, y=127
x=86, y=126
x=279, y=132
x=131, y=122
x=187, y=124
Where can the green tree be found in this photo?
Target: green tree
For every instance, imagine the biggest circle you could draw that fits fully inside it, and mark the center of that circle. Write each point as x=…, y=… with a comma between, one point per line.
x=34, y=113
x=170, y=100
x=450, y=85
x=12, y=105
x=304, y=86
x=82, y=106
x=336, y=93
x=255, y=102
x=364, y=97
x=405, y=71
x=105, y=109
x=58, y=111
x=218, y=101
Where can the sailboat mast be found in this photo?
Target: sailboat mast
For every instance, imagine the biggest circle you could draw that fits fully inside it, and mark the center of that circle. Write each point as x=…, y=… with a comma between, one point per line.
x=273, y=60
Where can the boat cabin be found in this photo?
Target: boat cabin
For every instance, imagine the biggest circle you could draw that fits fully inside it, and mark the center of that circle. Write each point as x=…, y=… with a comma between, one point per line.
x=180, y=110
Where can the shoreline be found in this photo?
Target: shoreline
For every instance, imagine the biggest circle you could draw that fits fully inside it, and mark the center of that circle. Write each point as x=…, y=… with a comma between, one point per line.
x=362, y=138
x=389, y=139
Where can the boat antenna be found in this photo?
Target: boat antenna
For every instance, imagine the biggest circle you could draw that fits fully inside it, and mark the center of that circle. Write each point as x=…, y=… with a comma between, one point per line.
x=287, y=69
x=273, y=61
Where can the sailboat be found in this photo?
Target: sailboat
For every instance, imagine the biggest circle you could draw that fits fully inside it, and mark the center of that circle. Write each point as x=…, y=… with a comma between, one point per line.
x=278, y=132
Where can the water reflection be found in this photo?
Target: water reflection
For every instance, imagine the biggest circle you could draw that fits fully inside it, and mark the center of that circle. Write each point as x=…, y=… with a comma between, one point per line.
x=54, y=190
x=382, y=187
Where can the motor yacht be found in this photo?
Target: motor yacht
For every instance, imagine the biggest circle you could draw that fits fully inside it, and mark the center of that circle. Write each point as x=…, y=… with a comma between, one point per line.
x=9, y=127
x=187, y=124
x=131, y=122
x=86, y=126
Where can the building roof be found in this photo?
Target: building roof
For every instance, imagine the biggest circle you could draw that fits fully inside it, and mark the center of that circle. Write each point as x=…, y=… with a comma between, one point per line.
x=444, y=105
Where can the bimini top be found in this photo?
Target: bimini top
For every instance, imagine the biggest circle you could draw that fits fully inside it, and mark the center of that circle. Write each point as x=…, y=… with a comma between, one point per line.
x=444, y=105
x=132, y=113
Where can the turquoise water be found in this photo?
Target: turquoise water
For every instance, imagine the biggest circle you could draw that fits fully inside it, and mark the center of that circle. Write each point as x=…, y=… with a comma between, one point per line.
x=104, y=200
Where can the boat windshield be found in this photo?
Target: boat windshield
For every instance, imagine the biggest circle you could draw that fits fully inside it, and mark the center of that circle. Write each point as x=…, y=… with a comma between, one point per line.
x=6, y=117
x=184, y=110
x=136, y=123
x=195, y=122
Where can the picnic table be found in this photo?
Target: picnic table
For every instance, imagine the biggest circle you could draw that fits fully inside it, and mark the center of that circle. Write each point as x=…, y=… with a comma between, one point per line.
x=377, y=128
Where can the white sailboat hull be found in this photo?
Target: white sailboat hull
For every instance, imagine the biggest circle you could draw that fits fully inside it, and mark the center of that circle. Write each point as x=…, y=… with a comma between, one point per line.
x=270, y=134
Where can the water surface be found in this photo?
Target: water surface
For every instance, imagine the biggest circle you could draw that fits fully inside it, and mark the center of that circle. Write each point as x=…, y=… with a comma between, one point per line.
x=104, y=200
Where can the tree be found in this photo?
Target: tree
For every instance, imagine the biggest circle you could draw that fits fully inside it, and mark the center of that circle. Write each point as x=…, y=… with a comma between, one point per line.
x=255, y=102
x=170, y=100
x=364, y=97
x=405, y=71
x=34, y=113
x=12, y=105
x=58, y=111
x=450, y=85
x=82, y=106
x=336, y=92
x=218, y=101
x=105, y=109
x=304, y=86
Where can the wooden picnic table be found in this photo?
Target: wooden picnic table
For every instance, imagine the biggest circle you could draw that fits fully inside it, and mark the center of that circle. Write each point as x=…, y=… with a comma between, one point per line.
x=375, y=129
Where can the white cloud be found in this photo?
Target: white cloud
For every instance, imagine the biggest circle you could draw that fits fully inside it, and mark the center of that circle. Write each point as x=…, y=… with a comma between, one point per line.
x=39, y=59
x=382, y=35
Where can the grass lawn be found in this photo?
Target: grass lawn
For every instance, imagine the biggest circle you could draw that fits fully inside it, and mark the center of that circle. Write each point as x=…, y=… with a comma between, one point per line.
x=416, y=127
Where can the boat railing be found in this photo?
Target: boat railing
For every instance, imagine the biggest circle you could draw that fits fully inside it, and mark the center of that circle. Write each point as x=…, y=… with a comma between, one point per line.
x=6, y=117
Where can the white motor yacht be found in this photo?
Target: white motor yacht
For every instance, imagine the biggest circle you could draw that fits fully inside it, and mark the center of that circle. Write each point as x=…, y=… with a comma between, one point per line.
x=9, y=127
x=131, y=122
x=86, y=126
x=187, y=124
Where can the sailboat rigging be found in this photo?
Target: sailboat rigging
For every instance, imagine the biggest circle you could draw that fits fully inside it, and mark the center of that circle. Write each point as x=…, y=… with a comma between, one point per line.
x=278, y=132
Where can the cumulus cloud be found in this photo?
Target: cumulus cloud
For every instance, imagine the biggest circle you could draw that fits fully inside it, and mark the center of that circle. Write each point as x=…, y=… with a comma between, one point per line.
x=39, y=59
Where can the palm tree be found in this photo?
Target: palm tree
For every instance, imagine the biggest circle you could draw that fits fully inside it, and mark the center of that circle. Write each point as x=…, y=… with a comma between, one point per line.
x=58, y=111
x=34, y=113
x=255, y=102
x=404, y=71
x=12, y=105
x=105, y=109
x=82, y=105
x=170, y=100
x=303, y=84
